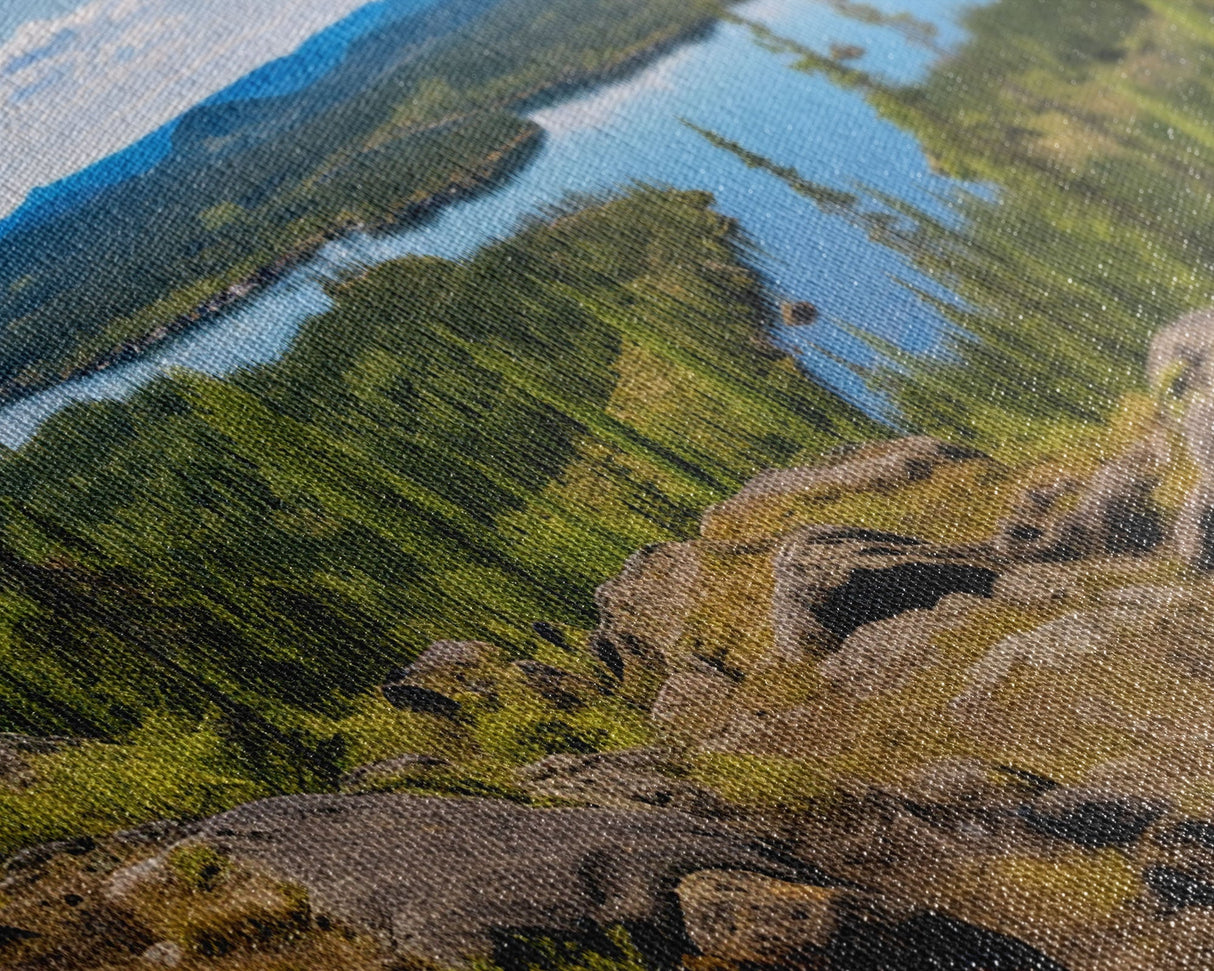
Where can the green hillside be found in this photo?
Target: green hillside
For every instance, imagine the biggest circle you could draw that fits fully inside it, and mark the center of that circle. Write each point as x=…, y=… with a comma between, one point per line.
x=457, y=450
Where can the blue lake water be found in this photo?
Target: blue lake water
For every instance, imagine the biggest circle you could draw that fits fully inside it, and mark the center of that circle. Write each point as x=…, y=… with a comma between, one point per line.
x=636, y=131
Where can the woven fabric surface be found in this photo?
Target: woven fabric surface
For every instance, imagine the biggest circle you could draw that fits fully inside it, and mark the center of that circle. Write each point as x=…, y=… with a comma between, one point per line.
x=607, y=485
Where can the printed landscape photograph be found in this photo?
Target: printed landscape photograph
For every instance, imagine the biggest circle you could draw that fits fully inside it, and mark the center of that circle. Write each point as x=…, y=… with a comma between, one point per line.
x=607, y=485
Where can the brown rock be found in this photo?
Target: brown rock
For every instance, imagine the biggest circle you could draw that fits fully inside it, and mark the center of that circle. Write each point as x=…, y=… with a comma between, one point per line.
x=693, y=702
x=886, y=654
x=641, y=615
x=798, y=313
x=746, y=917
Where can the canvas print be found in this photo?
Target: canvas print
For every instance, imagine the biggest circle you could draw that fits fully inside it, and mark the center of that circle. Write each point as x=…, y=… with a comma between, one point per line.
x=607, y=485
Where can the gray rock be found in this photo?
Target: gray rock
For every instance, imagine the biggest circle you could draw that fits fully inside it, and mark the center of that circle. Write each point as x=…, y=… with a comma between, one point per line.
x=1039, y=585
x=459, y=661
x=629, y=779
x=957, y=782
x=885, y=655
x=692, y=702
x=441, y=880
x=1029, y=533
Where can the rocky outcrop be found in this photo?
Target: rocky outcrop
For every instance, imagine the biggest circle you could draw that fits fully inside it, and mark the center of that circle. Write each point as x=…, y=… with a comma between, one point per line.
x=1180, y=367
x=981, y=729
x=882, y=468
x=970, y=704
x=904, y=708
x=447, y=881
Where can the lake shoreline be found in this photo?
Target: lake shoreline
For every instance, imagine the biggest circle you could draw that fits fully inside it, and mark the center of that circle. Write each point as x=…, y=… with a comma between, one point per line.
x=491, y=170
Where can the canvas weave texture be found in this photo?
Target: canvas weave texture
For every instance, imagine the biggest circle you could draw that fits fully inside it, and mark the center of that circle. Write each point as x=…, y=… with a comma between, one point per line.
x=607, y=485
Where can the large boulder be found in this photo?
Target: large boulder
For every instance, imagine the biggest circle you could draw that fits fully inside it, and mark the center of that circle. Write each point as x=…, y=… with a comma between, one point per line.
x=447, y=880
x=642, y=613
x=1134, y=676
x=1180, y=368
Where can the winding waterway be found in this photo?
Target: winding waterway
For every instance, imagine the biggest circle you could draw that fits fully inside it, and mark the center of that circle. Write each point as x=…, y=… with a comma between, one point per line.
x=637, y=131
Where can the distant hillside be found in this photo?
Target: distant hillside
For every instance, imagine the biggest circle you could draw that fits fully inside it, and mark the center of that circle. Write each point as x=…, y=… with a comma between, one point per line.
x=418, y=108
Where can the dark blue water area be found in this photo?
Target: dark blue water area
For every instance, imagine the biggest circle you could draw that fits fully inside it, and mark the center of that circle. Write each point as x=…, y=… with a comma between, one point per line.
x=638, y=131
x=313, y=60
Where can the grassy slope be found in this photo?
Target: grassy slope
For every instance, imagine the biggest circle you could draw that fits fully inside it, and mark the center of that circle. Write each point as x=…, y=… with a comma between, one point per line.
x=455, y=451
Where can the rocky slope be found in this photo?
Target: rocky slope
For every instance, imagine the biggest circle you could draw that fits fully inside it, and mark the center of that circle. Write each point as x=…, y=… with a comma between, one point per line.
x=906, y=708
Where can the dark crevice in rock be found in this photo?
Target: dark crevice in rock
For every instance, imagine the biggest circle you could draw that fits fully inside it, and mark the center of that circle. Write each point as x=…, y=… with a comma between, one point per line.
x=1132, y=526
x=872, y=595
x=1195, y=832
x=411, y=697
x=609, y=654
x=1024, y=533
x=1177, y=888
x=716, y=663
x=9, y=935
x=1205, y=556
x=549, y=632
x=931, y=942
x=1093, y=824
